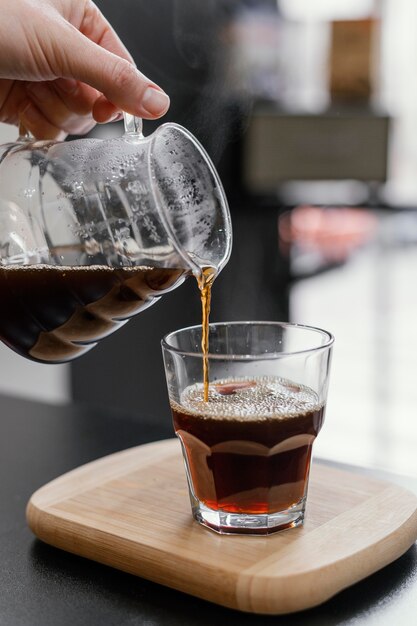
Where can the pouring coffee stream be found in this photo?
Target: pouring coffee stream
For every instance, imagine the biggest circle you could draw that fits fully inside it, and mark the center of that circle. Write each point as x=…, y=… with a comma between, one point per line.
x=94, y=231
x=205, y=281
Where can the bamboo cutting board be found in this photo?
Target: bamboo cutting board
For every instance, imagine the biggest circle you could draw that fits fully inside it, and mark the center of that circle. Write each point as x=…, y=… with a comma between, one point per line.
x=131, y=511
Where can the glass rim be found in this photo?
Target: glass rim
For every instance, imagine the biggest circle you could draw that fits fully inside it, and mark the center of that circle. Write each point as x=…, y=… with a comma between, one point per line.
x=249, y=357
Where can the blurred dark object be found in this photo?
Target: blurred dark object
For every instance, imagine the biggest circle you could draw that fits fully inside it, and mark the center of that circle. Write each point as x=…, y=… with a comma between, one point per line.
x=192, y=49
x=179, y=45
x=184, y=46
x=347, y=144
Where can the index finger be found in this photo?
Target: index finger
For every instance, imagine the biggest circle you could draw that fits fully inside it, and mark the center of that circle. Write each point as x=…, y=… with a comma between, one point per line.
x=99, y=30
x=104, y=63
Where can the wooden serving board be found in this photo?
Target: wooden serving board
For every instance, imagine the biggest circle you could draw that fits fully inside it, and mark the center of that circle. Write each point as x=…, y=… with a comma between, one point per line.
x=131, y=511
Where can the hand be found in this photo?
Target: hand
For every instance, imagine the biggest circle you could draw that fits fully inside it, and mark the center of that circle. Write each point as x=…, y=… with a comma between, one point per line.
x=63, y=68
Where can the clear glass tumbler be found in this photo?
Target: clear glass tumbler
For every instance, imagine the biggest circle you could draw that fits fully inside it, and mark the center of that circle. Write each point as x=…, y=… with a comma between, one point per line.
x=247, y=451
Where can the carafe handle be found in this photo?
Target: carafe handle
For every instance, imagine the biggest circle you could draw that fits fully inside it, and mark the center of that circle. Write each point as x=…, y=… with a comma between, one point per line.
x=24, y=134
x=133, y=125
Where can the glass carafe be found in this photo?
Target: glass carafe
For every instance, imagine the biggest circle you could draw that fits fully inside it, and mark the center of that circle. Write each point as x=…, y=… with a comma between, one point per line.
x=93, y=231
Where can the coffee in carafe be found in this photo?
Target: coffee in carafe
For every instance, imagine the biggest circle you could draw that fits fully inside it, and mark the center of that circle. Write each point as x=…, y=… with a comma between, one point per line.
x=54, y=314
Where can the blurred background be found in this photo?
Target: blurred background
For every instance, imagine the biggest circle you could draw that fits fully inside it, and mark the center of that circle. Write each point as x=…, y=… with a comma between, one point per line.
x=309, y=111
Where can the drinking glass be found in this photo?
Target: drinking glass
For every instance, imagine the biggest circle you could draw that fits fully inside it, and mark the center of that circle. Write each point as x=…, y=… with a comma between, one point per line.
x=247, y=450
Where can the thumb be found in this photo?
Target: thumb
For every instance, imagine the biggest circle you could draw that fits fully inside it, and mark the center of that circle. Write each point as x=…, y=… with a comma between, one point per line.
x=115, y=77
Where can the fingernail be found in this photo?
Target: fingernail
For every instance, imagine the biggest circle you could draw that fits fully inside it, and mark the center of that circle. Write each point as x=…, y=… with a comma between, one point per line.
x=39, y=91
x=155, y=102
x=115, y=117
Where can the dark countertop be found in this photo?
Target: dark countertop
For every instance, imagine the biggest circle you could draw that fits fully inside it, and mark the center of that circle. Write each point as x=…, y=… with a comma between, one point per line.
x=43, y=586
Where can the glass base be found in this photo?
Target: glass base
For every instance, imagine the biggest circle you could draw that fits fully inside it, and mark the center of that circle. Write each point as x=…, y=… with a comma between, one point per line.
x=248, y=524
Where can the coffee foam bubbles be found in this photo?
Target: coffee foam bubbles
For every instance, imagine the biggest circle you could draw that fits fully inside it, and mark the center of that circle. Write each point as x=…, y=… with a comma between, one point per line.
x=268, y=397
x=43, y=267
